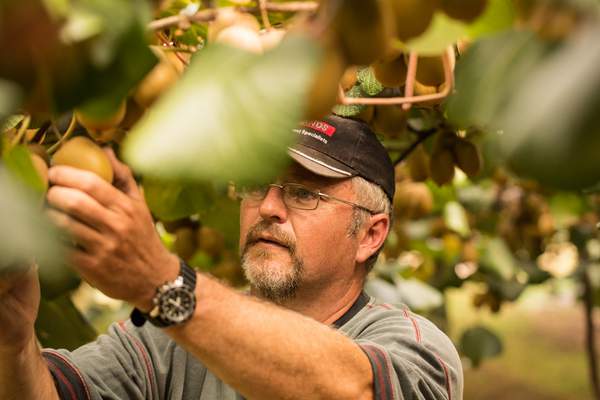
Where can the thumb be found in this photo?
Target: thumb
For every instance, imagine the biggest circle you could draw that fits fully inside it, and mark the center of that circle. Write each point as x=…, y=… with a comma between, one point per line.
x=123, y=177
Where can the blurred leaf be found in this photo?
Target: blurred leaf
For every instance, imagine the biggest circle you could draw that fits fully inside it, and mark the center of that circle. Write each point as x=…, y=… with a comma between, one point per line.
x=60, y=325
x=497, y=259
x=498, y=16
x=443, y=32
x=566, y=208
x=456, y=218
x=25, y=233
x=230, y=113
x=224, y=215
x=368, y=83
x=479, y=343
x=477, y=198
x=18, y=161
x=11, y=121
x=383, y=291
x=173, y=200
x=552, y=124
x=418, y=295
x=10, y=97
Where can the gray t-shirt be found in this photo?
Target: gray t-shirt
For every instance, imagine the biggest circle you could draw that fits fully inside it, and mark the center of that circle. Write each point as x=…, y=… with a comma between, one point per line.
x=410, y=357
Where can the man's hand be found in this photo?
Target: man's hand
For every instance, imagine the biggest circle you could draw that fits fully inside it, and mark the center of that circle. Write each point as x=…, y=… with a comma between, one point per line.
x=117, y=247
x=19, y=300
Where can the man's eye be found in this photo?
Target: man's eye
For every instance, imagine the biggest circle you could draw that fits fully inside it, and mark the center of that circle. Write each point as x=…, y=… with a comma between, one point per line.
x=302, y=193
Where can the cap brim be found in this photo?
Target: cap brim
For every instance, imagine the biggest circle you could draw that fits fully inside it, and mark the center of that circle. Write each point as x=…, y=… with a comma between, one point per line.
x=319, y=163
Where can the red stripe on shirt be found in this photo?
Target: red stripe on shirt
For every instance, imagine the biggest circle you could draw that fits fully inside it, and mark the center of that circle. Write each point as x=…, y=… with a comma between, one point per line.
x=58, y=373
x=446, y=376
x=414, y=324
x=142, y=351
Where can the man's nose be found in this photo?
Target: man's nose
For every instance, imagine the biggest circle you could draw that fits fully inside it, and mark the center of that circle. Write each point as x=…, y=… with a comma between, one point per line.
x=273, y=206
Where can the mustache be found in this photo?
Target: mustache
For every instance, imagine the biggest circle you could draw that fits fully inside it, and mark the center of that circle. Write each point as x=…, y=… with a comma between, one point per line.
x=269, y=228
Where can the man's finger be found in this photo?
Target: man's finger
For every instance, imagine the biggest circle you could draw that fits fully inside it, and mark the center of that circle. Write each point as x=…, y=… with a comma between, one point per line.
x=87, y=182
x=123, y=179
x=82, y=234
x=82, y=206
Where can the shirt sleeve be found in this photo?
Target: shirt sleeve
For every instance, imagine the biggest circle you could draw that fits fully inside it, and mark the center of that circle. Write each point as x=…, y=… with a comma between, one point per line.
x=116, y=366
x=410, y=357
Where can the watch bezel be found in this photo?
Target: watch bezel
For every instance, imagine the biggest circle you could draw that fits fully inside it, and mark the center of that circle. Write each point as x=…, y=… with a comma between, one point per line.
x=176, y=291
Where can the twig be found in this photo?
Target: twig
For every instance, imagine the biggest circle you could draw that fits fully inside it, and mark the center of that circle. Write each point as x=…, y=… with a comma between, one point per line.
x=210, y=14
x=423, y=136
x=264, y=14
x=66, y=135
x=590, y=342
x=411, y=77
x=21, y=132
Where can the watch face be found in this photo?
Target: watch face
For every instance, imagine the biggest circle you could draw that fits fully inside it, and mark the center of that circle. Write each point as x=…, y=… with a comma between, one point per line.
x=177, y=304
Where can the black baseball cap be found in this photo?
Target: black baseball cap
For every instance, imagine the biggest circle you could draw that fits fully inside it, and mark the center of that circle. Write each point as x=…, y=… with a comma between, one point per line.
x=338, y=147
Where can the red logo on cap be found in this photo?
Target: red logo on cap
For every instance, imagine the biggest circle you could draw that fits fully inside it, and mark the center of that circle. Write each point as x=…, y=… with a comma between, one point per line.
x=321, y=126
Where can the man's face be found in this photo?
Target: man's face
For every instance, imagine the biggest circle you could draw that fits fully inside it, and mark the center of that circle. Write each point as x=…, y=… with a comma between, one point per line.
x=285, y=249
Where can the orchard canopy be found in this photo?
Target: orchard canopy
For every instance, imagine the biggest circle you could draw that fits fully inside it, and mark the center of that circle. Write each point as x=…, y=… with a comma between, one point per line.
x=490, y=110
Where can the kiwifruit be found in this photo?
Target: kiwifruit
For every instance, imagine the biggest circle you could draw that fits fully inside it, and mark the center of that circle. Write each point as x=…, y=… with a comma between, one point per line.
x=467, y=157
x=81, y=152
x=210, y=240
x=413, y=17
x=365, y=29
x=185, y=243
x=418, y=164
x=391, y=73
x=240, y=37
x=367, y=114
x=40, y=150
x=430, y=71
x=464, y=10
x=132, y=115
x=323, y=92
x=95, y=123
x=108, y=135
x=159, y=79
x=412, y=200
x=441, y=166
x=349, y=78
x=389, y=120
x=423, y=90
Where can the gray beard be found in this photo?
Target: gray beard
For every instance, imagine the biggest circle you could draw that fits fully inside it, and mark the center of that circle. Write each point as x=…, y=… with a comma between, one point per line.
x=272, y=287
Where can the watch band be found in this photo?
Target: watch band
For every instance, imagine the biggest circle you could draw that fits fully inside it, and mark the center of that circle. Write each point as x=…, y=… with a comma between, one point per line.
x=139, y=318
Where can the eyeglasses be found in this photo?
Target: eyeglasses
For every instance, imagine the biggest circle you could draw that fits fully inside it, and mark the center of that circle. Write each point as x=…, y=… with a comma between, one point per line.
x=294, y=196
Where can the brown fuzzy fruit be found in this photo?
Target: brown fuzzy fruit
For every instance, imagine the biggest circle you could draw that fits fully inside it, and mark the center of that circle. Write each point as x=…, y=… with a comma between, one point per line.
x=323, y=92
x=391, y=73
x=413, y=17
x=412, y=200
x=430, y=71
x=467, y=157
x=185, y=243
x=81, y=152
x=363, y=45
x=95, y=123
x=441, y=166
x=349, y=78
x=418, y=164
x=390, y=120
x=158, y=80
x=464, y=10
x=210, y=240
x=367, y=114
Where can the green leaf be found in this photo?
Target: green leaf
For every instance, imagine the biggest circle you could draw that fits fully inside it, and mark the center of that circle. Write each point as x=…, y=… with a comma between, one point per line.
x=479, y=343
x=350, y=110
x=25, y=233
x=229, y=118
x=418, y=295
x=10, y=96
x=224, y=215
x=443, y=32
x=368, y=83
x=18, y=161
x=170, y=200
x=456, y=218
x=566, y=208
x=60, y=325
x=497, y=259
x=498, y=16
x=11, y=121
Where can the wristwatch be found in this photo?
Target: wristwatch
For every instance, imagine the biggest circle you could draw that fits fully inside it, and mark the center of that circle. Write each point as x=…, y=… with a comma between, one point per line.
x=174, y=302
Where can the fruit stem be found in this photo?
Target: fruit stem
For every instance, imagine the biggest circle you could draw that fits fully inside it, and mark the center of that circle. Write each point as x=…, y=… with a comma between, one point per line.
x=21, y=132
x=411, y=76
x=262, y=5
x=65, y=136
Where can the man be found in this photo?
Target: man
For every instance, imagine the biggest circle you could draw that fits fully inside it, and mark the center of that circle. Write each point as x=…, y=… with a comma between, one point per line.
x=307, y=243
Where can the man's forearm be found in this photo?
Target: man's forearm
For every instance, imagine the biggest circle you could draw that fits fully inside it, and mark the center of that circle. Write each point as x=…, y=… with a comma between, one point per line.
x=264, y=351
x=24, y=375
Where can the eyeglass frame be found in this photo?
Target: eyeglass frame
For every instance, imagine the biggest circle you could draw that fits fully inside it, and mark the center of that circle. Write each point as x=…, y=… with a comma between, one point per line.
x=320, y=195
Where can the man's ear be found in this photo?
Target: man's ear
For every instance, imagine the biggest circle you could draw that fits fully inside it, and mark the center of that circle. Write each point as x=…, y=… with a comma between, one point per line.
x=372, y=236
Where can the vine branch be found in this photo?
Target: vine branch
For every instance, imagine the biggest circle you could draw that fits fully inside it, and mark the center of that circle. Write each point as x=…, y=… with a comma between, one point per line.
x=210, y=14
x=423, y=136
